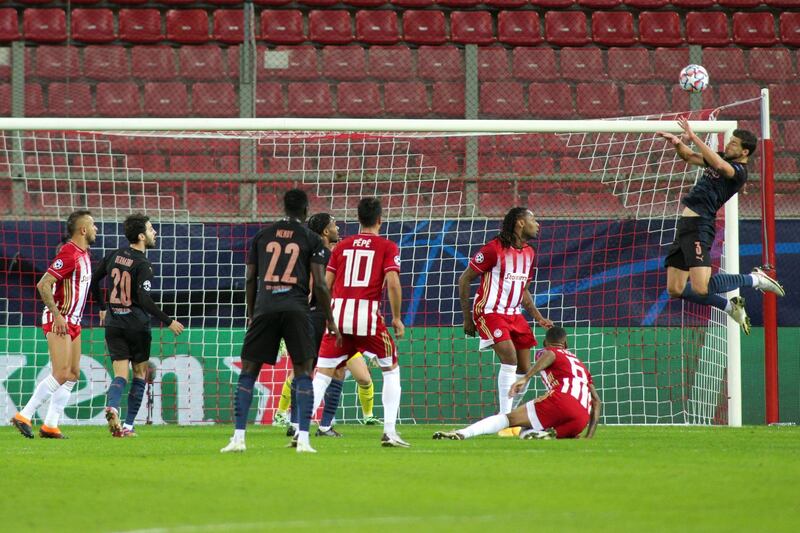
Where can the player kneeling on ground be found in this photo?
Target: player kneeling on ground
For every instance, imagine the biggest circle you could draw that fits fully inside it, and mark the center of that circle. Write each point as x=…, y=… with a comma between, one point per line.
x=571, y=401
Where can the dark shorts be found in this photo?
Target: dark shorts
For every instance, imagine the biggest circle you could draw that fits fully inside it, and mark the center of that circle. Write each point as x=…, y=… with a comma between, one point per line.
x=319, y=325
x=263, y=337
x=128, y=344
x=691, y=248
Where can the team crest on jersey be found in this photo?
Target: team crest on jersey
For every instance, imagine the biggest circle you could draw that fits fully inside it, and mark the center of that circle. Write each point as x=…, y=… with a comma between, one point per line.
x=146, y=285
x=479, y=257
x=497, y=333
x=397, y=260
x=58, y=264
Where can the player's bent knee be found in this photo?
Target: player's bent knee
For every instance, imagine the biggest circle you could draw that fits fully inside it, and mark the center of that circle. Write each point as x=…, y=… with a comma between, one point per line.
x=519, y=417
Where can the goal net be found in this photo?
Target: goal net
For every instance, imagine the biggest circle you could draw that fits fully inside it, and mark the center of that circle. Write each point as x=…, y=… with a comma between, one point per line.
x=606, y=194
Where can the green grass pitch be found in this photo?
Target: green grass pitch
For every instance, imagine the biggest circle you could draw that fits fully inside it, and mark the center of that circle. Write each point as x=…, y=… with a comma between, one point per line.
x=626, y=479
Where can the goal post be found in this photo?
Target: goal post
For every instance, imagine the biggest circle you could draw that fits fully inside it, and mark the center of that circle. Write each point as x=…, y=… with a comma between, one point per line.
x=598, y=273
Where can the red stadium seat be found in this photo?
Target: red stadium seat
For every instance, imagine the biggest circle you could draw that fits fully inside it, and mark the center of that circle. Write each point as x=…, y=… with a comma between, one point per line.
x=690, y=4
x=413, y=3
x=502, y=99
x=471, y=27
x=646, y=4
x=269, y=100
x=550, y=100
x=503, y=4
x=191, y=163
x=5, y=107
x=791, y=135
x=330, y=27
x=153, y=62
x=319, y=3
x=93, y=25
x=424, y=27
x=9, y=25
x=189, y=26
x=529, y=166
x=785, y=100
x=534, y=64
x=629, y=64
x=69, y=100
x=519, y=28
x=344, y=62
x=406, y=99
x=57, y=62
x=282, y=26
x=391, y=63
x=754, y=29
x=493, y=64
x=781, y=3
x=660, y=28
x=599, y=4
x=735, y=92
x=106, y=62
x=668, y=62
x=377, y=27
x=771, y=64
x=288, y=62
x=613, y=28
x=552, y=3
x=34, y=100
x=272, y=2
x=140, y=25
x=201, y=62
x=728, y=63
x=448, y=99
x=583, y=64
x=596, y=100
x=359, y=99
x=708, y=28
x=118, y=100
x=565, y=28
x=645, y=99
x=440, y=63
x=229, y=26
x=790, y=28
x=739, y=3
x=310, y=99
x=45, y=25
x=165, y=99
x=458, y=3
x=214, y=100
x=366, y=3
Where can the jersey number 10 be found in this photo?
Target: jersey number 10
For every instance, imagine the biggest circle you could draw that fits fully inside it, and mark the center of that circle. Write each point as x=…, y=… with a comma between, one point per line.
x=357, y=267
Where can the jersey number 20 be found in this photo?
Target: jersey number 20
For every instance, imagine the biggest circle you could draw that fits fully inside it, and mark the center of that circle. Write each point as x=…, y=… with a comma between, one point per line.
x=121, y=293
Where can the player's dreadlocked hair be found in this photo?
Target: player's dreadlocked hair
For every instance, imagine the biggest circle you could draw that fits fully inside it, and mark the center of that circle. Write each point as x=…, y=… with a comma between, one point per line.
x=506, y=235
x=317, y=223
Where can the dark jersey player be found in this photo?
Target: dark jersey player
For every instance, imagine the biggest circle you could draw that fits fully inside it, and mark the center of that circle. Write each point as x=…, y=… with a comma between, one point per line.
x=126, y=315
x=280, y=263
x=688, y=260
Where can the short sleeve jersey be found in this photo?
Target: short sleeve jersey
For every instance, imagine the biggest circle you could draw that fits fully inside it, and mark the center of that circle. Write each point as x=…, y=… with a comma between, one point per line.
x=712, y=190
x=505, y=275
x=360, y=264
x=283, y=253
x=72, y=268
x=567, y=375
x=327, y=256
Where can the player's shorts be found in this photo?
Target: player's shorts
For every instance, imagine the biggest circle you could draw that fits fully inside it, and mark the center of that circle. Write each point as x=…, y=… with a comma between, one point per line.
x=494, y=328
x=128, y=344
x=73, y=329
x=691, y=248
x=559, y=411
x=263, y=337
x=379, y=346
x=318, y=325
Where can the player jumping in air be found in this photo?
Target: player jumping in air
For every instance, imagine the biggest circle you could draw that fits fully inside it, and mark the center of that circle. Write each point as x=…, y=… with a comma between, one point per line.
x=688, y=259
x=505, y=265
x=281, y=259
x=126, y=317
x=570, y=404
x=64, y=289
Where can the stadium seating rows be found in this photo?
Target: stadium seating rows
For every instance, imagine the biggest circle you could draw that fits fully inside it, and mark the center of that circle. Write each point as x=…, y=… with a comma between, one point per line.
x=415, y=26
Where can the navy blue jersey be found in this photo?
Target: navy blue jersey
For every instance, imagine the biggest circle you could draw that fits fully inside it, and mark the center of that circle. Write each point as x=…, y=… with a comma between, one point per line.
x=712, y=190
x=327, y=256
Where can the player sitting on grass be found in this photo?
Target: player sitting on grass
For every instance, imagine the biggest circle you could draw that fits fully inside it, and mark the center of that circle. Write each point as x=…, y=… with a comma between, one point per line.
x=571, y=401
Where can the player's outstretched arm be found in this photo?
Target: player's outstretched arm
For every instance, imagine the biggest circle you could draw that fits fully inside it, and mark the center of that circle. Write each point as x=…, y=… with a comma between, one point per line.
x=594, y=417
x=395, y=292
x=250, y=290
x=683, y=151
x=545, y=359
x=530, y=307
x=706, y=153
x=147, y=303
x=463, y=294
x=45, y=288
x=323, y=295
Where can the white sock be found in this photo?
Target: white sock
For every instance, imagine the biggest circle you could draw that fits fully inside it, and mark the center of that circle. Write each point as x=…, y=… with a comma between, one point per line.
x=518, y=399
x=238, y=434
x=320, y=383
x=755, y=280
x=324, y=428
x=57, y=403
x=44, y=390
x=302, y=437
x=505, y=378
x=390, y=397
x=728, y=307
x=129, y=427
x=487, y=426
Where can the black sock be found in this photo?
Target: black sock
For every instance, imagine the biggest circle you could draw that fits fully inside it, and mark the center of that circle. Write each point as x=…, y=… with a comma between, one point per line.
x=293, y=406
x=244, y=397
x=332, y=396
x=114, y=394
x=135, y=396
x=305, y=400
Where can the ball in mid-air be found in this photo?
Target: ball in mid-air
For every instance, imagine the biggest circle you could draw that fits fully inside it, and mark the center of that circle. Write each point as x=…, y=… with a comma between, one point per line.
x=693, y=78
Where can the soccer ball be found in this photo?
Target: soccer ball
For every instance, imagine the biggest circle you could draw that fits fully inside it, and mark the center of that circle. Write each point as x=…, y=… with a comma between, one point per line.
x=693, y=78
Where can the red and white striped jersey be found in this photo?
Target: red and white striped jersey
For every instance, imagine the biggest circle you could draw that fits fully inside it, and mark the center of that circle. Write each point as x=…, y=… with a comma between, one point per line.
x=360, y=263
x=72, y=269
x=506, y=273
x=567, y=375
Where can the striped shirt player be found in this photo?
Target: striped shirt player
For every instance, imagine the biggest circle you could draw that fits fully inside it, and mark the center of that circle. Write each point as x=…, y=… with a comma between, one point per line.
x=72, y=269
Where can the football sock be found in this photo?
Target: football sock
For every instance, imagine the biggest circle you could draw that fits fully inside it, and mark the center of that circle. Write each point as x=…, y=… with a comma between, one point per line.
x=710, y=299
x=305, y=401
x=244, y=397
x=390, y=396
x=320, y=384
x=41, y=394
x=332, y=396
x=720, y=283
x=366, y=395
x=57, y=403
x=521, y=397
x=114, y=394
x=135, y=396
x=487, y=426
x=286, y=396
x=505, y=378
x=293, y=405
